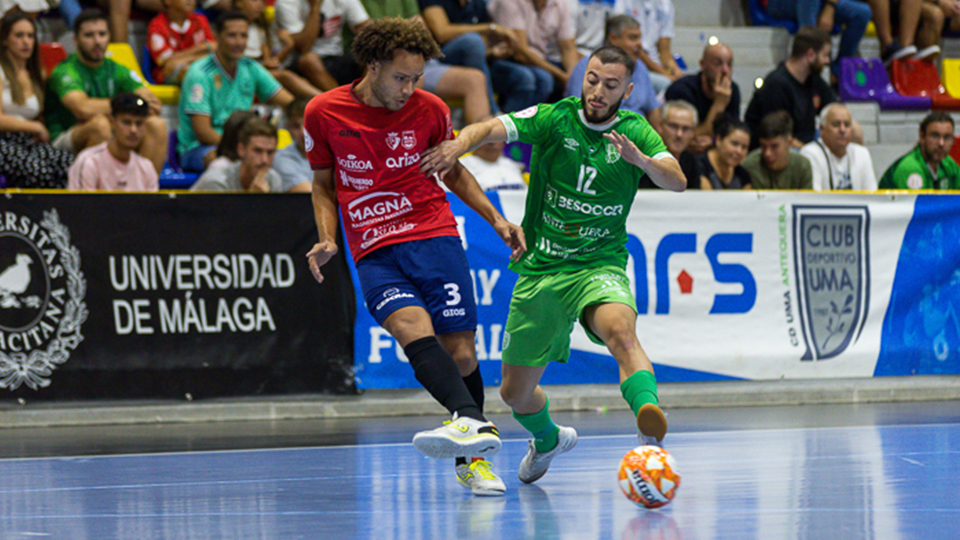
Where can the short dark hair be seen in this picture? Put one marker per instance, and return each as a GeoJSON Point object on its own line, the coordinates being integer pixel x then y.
{"type": "Point", "coordinates": [129, 103]}
{"type": "Point", "coordinates": [611, 54]}
{"type": "Point", "coordinates": [725, 124]}
{"type": "Point", "coordinates": [617, 25]}
{"type": "Point", "coordinates": [87, 15]}
{"type": "Point", "coordinates": [935, 116]}
{"type": "Point", "coordinates": [257, 127]}
{"type": "Point", "coordinates": [227, 16]}
{"type": "Point", "coordinates": [231, 133]}
{"type": "Point", "coordinates": [808, 37]}
{"type": "Point", "coordinates": [297, 107]}
{"type": "Point", "coordinates": [775, 124]}
{"type": "Point", "coordinates": [380, 38]}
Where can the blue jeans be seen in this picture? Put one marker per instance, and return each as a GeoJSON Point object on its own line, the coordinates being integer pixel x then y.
{"type": "Point", "coordinates": [192, 161]}
{"type": "Point", "coordinates": [520, 85]}
{"type": "Point", "coordinates": [850, 14]}
{"type": "Point", "coordinates": [468, 50]}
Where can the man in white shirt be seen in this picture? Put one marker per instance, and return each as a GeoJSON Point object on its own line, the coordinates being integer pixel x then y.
{"type": "Point", "coordinates": [656, 19]}
{"type": "Point", "coordinates": [493, 170]}
{"type": "Point", "coordinates": [316, 27]}
{"type": "Point", "coordinates": [838, 163]}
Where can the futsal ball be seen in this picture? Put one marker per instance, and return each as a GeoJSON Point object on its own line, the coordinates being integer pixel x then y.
{"type": "Point", "coordinates": [648, 476]}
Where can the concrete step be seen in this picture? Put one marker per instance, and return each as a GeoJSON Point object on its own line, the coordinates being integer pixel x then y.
{"type": "Point", "coordinates": [761, 46]}
{"type": "Point", "coordinates": [697, 13]}
{"type": "Point", "coordinates": [883, 155]}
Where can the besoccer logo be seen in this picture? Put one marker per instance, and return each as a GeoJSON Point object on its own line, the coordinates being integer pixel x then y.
{"type": "Point", "coordinates": [41, 299]}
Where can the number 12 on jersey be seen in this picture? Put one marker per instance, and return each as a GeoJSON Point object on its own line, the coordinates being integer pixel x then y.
{"type": "Point", "coordinates": [587, 176]}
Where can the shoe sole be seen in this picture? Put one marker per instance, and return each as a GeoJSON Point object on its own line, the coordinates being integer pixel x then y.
{"type": "Point", "coordinates": [539, 476]}
{"type": "Point", "coordinates": [440, 447]}
{"type": "Point", "coordinates": [482, 492]}
{"type": "Point", "coordinates": [652, 422]}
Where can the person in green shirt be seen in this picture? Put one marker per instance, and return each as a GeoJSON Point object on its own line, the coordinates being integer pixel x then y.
{"type": "Point", "coordinates": [928, 165]}
{"type": "Point", "coordinates": [588, 159]}
{"type": "Point", "coordinates": [773, 165]}
{"type": "Point", "coordinates": [78, 103]}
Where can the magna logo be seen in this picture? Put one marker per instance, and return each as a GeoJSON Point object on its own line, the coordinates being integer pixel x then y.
{"type": "Point", "coordinates": [405, 160]}
{"type": "Point", "coordinates": [353, 164]}
{"type": "Point", "coordinates": [382, 204]}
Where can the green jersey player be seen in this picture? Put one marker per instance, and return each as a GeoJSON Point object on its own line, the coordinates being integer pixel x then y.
{"type": "Point", "coordinates": [588, 159]}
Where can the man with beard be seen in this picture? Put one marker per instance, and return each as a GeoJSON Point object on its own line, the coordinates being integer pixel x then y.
{"type": "Point", "coordinates": [78, 103]}
{"type": "Point", "coordinates": [929, 165]}
{"type": "Point", "coordinates": [364, 142]}
{"type": "Point", "coordinates": [588, 159]}
{"type": "Point", "coordinates": [796, 86]}
{"type": "Point", "coordinates": [712, 92]}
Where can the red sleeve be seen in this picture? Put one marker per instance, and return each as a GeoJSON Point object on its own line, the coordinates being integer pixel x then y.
{"type": "Point", "coordinates": [158, 42]}
{"type": "Point", "coordinates": [318, 148]}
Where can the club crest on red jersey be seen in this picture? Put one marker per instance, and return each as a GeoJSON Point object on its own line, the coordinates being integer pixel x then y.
{"type": "Point", "coordinates": [393, 140]}
{"type": "Point", "coordinates": [409, 139]}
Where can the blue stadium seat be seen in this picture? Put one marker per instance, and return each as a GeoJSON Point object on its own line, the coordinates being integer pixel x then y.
{"type": "Point", "coordinates": [759, 17]}
{"type": "Point", "coordinates": [172, 176]}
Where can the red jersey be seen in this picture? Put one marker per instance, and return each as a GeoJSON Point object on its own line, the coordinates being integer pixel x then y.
{"type": "Point", "coordinates": [164, 38]}
{"type": "Point", "coordinates": [375, 156]}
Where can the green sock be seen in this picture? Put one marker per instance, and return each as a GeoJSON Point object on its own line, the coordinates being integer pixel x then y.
{"type": "Point", "coordinates": [541, 426]}
{"type": "Point", "coordinates": [639, 389]}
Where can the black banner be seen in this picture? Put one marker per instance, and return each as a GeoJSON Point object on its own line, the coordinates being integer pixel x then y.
{"type": "Point", "coordinates": [110, 296]}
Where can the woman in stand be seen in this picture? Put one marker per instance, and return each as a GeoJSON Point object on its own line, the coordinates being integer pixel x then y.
{"type": "Point", "coordinates": [720, 165]}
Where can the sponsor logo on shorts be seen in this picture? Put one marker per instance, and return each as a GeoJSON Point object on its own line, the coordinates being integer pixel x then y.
{"type": "Point", "coordinates": [395, 295]}
{"type": "Point", "coordinates": [454, 312]}
{"type": "Point", "coordinates": [506, 340]}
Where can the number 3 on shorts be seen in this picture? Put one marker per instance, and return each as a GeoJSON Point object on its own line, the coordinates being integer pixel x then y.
{"type": "Point", "coordinates": [453, 292]}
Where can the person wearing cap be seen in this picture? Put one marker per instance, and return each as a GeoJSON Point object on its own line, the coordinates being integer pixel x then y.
{"type": "Point", "coordinates": [115, 164]}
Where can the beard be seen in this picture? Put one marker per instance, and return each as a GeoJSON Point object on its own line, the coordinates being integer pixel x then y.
{"type": "Point", "coordinates": [599, 117]}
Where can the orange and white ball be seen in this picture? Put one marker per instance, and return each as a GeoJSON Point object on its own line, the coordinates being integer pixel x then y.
{"type": "Point", "coordinates": [648, 476]}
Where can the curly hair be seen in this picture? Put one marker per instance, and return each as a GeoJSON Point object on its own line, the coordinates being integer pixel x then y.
{"type": "Point", "coordinates": [381, 37]}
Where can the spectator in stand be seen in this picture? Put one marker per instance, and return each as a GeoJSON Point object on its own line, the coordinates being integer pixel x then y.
{"type": "Point", "coordinates": [26, 158]}
{"type": "Point", "coordinates": [852, 15]}
{"type": "Point", "coordinates": [316, 27]}
{"type": "Point", "coordinates": [176, 38]}
{"type": "Point", "coordinates": [447, 78]}
{"type": "Point", "coordinates": [217, 85]}
{"type": "Point", "coordinates": [656, 19]}
{"type": "Point", "coordinates": [590, 20]}
{"type": "Point", "coordinates": [677, 128]}
{"type": "Point", "coordinates": [796, 86]}
{"type": "Point", "coordinates": [261, 42]}
{"type": "Point", "coordinates": [773, 165]}
{"type": "Point", "coordinates": [712, 92]}
{"type": "Point", "coordinates": [493, 170]}
{"type": "Point", "coordinates": [929, 165]}
{"type": "Point", "coordinates": [720, 166]}
{"type": "Point", "coordinates": [115, 164]}
{"type": "Point", "coordinates": [836, 162]}
{"type": "Point", "coordinates": [624, 32]}
{"type": "Point", "coordinates": [227, 147]}
{"type": "Point", "coordinates": [468, 38]}
{"type": "Point", "coordinates": [545, 40]}
{"type": "Point", "coordinates": [917, 23]}
{"type": "Point", "coordinates": [78, 100]}
{"type": "Point", "coordinates": [291, 162]}
{"type": "Point", "coordinates": [253, 173]}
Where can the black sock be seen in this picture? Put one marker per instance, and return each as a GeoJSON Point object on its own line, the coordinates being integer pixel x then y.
{"type": "Point", "coordinates": [438, 374]}
{"type": "Point", "coordinates": [474, 382]}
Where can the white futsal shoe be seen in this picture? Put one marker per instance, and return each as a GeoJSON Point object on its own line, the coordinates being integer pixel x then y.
{"type": "Point", "coordinates": [479, 478]}
{"type": "Point", "coordinates": [652, 425]}
{"type": "Point", "coordinates": [534, 464]}
{"type": "Point", "coordinates": [459, 437]}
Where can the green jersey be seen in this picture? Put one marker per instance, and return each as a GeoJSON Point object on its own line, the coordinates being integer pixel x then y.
{"type": "Point", "coordinates": [581, 188]}
{"type": "Point", "coordinates": [911, 172]}
{"type": "Point", "coordinates": [105, 81]}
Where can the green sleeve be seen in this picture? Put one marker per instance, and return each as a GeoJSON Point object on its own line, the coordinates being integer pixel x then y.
{"type": "Point", "coordinates": [267, 85]}
{"type": "Point", "coordinates": [65, 79]}
{"type": "Point", "coordinates": [127, 79]}
{"type": "Point", "coordinates": [898, 173]}
{"type": "Point", "coordinates": [646, 138]}
{"type": "Point", "coordinates": [531, 125]}
{"type": "Point", "coordinates": [953, 172]}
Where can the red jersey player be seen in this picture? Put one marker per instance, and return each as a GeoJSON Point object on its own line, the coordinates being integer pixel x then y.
{"type": "Point", "coordinates": [364, 142]}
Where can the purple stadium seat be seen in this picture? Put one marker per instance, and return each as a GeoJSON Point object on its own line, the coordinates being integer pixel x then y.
{"type": "Point", "coordinates": [866, 80]}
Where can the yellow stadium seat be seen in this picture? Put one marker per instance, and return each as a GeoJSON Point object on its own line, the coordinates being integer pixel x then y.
{"type": "Point", "coordinates": [283, 139]}
{"type": "Point", "coordinates": [122, 54]}
{"type": "Point", "coordinates": [871, 30]}
{"type": "Point", "coordinates": [951, 76]}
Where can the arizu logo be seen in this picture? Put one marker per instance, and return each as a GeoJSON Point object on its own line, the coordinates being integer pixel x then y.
{"type": "Point", "coordinates": [722, 272]}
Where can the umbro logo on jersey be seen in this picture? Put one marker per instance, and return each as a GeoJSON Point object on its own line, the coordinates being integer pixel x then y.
{"type": "Point", "coordinates": [349, 133]}
{"type": "Point", "coordinates": [571, 144]}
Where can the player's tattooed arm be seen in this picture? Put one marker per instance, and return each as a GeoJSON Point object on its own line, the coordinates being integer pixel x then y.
{"type": "Point", "coordinates": [665, 172]}
{"type": "Point", "coordinates": [325, 212]}
{"type": "Point", "coordinates": [441, 158]}
{"type": "Point", "coordinates": [465, 186]}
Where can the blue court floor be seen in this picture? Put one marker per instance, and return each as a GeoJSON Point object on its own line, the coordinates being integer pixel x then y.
{"type": "Point", "coordinates": [846, 474]}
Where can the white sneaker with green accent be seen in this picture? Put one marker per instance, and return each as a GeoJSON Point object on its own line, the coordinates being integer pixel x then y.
{"type": "Point", "coordinates": [459, 437]}
{"type": "Point", "coordinates": [479, 478]}
{"type": "Point", "coordinates": [534, 464]}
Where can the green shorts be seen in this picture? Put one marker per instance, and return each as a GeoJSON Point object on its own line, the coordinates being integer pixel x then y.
{"type": "Point", "coordinates": [545, 307]}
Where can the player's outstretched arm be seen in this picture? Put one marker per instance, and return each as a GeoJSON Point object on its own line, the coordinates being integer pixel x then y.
{"type": "Point", "coordinates": [325, 212]}
{"type": "Point", "coordinates": [440, 159]}
{"type": "Point", "coordinates": [665, 172]}
{"type": "Point", "coordinates": [465, 186]}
